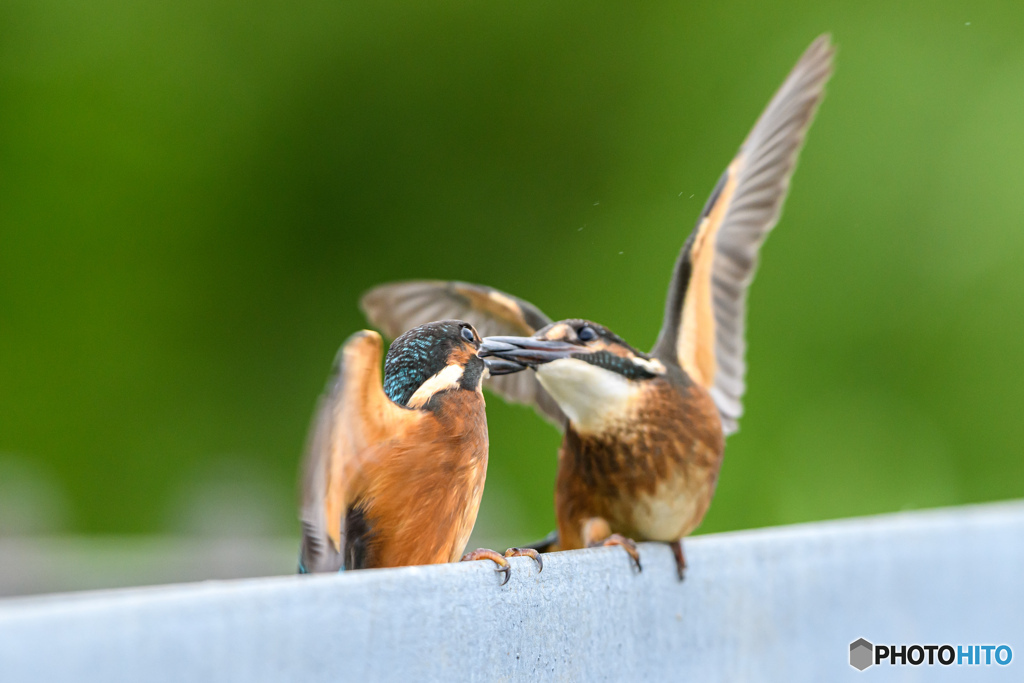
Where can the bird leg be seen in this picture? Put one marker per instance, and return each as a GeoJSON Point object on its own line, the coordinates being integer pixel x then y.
{"type": "Point", "coordinates": [548, 544]}
{"type": "Point", "coordinates": [627, 544]}
{"type": "Point", "coordinates": [597, 533]}
{"type": "Point", "coordinates": [483, 554]}
{"type": "Point", "coordinates": [677, 550]}
{"type": "Point", "coordinates": [526, 552]}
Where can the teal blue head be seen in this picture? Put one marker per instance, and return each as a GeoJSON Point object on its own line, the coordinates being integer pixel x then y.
{"type": "Point", "coordinates": [432, 358]}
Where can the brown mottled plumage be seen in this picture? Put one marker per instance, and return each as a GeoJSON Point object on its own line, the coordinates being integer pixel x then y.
{"type": "Point", "coordinates": [611, 475]}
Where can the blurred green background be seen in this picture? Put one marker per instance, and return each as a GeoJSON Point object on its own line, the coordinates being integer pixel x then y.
{"type": "Point", "coordinates": [193, 195]}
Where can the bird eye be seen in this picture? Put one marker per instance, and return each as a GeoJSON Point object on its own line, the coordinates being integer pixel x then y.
{"type": "Point", "coordinates": [586, 334]}
{"type": "Point", "coordinates": [467, 334]}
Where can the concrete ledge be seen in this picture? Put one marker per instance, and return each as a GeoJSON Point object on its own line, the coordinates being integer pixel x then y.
{"type": "Point", "coordinates": [771, 604]}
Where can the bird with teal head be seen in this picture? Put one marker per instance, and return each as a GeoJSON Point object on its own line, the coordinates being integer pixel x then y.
{"type": "Point", "coordinates": [394, 470]}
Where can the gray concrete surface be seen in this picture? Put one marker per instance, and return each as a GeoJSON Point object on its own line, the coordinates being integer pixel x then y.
{"type": "Point", "coordinates": [771, 604]}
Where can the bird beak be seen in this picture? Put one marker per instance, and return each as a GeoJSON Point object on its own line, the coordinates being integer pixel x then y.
{"type": "Point", "coordinates": [497, 366]}
{"type": "Point", "coordinates": [527, 350]}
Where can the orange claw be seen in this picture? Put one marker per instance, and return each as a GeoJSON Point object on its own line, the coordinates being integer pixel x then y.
{"type": "Point", "coordinates": [527, 552]}
{"type": "Point", "coordinates": [627, 544]}
{"type": "Point", "coordinates": [484, 554]}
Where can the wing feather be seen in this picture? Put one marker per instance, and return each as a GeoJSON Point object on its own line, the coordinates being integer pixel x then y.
{"type": "Point", "coordinates": [353, 416]}
{"type": "Point", "coordinates": [398, 306]}
{"type": "Point", "coordinates": [705, 314]}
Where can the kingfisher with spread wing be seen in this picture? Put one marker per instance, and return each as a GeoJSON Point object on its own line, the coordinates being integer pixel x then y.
{"type": "Point", "coordinates": [644, 432]}
{"type": "Point", "coordinates": [394, 472]}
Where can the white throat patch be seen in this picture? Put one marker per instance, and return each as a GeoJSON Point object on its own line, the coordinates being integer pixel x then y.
{"type": "Point", "coordinates": [591, 397]}
{"type": "Point", "coordinates": [449, 378]}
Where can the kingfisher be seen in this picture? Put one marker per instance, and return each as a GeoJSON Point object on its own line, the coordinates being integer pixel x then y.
{"type": "Point", "coordinates": [394, 472]}
{"type": "Point", "coordinates": [644, 433]}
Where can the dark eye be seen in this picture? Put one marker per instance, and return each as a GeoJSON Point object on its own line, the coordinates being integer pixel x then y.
{"type": "Point", "coordinates": [586, 334]}
{"type": "Point", "coordinates": [467, 334]}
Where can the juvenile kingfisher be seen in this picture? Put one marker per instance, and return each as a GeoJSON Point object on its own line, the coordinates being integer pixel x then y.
{"type": "Point", "coordinates": [644, 432]}
{"type": "Point", "coordinates": [394, 472]}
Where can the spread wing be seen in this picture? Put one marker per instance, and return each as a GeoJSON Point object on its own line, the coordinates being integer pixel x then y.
{"type": "Point", "coordinates": [705, 314]}
{"type": "Point", "coordinates": [398, 306]}
{"type": "Point", "coordinates": [352, 417]}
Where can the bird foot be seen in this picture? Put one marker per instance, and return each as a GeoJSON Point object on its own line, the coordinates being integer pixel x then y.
{"type": "Point", "coordinates": [677, 550]}
{"type": "Point", "coordinates": [627, 544]}
{"type": "Point", "coordinates": [527, 552]}
{"type": "Point", "coordinates": [484, 554]}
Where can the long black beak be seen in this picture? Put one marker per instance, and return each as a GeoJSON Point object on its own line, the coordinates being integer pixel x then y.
{"type": "Point", "coordinates": [527, 350]}
{"type": "Point", "coordinates": [497, 366]}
